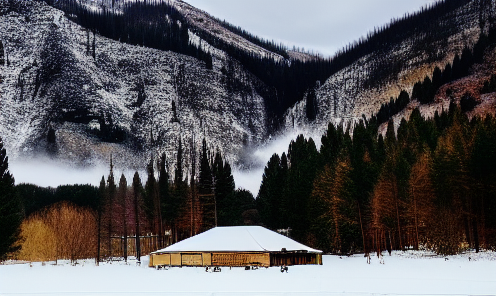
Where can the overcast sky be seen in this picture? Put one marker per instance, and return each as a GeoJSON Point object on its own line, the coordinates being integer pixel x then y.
{"type": "Point", "coordinates": [323, 26]}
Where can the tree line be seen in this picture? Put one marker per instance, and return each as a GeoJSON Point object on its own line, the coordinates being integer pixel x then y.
{"type": "Point", "coordinates": [430, 185]}
{"type": "Point", "coordinates": [119, 215]}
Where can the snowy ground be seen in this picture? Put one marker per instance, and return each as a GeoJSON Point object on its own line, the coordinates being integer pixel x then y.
{"type": "Point", "coordinates": [403, 273]}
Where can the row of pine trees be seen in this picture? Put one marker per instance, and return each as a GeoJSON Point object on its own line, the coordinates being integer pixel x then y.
{"type": "Point", "coordinates": [168, 209]}
{"type": "Point", "coordinates": [429, 185]}
{"type": "Point", "coordinates": [158, 212]}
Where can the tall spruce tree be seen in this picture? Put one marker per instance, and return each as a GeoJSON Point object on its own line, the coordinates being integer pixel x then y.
{"type": "Point", "coordinates": [100, 208]}
{"type": "Point", "coordinates": [205, 185]}
{"type": "Point", "coordinates": [137, 194]}
{"type": "Point", "coordinates": [180, 190]}
{"type": "Point", "coordinates": [166, 206]}
{"type": "Point", "coordinates": [110, 196]}
{"type": "Point", "coordinates": [303, 161]}
{"type": "Point", "coordinates": [268, 200]}
{"type": "Point", "coordinates": [151, 196]}
{"type": "Point", "coordinates": [224, 192]}
{"type": "Point", "coordinates": [122, 198]}
{"type": "Point", "coordinates": [10, 210]}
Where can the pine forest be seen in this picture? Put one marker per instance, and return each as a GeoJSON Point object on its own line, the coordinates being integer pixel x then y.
{"type": "Point", "coordinates": [399, 178]}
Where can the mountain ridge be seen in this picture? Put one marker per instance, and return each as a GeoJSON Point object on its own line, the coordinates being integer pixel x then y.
{"type": "Point", "coordinates": [118, 99]}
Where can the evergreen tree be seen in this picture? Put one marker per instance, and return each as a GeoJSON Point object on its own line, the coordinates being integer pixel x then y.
{"type": "Point", "coordinates": [452, 182]}
{"type": "Point", "coordinates": [311, 104]}
{"type": "Point", "coordinates": [10, 210]}
{"type": "Point", "coordinates": [166, 207]}
{"type": "Point", "coordinates": [151, 197]}
{"type": "Point", "coordinates": [245, 203]}
{"type": "Point", "coordinates": [137, 194]}
{"type": "Point", "coordinates": [331, 143]}
{"type": "Point", "coordinates": [100, 209]}
{"type": "Point", "coordinates": [224, 194]}
{"type": "Point", "coordinates": [110, 197]}
{"type": "Point", "coordinates": [2, 59]}
{"type": "Point", "coordinates": [303, 162]}
{"type": "Point", "coordinates": [122, 195]}
{"type": "Point", "coordinates": [284, 212]}
{"type": "Point", "coordinates": [179, 190]}
{"type": "Point", "coordinates": [269, 195]}
{"type": "Point", "coordinates": [205, 187]}
{"type": "Point", "coordinates": [211, 208]}
{"type": "Point", "coordinates": [483, 172]}
{"type": "Point", "coordinates": [364, 163]}
{"type": "Point", "coordinates": [205, 179]}
{"type": "Point", "coordinates": [333, 207]}
{"type": "Point", "coordinates": [390, 141]}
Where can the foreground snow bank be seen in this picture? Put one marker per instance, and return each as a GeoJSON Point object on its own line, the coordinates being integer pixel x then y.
{"type": "Point", "coordinates": [403, 273]}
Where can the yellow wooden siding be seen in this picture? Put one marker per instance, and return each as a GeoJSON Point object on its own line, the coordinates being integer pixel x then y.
{"type": "Point", "coordinates": [159, 259]}
{"type": "Point", "coordinates": [176, 259]}
{"type": "Point", "coordinates": [240, 259]}
{"type": "Point", "coordinates": [207, 259]}
{"type": "Point", "coordinates": [318, 259]}
{"type": "Point", "coordinates": [191, 260]}
{"type": "Point", "coordinates": [233, 259]}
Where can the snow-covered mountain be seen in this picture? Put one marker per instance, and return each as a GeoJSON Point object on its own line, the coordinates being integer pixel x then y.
{"type": "Point", "coordinates": [62, 98]}
{"type": "Point", "coordinates": [348, 94]}
{"type": "Point", "coordinates": [52, 82]}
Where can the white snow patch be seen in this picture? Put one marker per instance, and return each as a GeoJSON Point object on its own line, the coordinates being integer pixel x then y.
{"type": "Point", "coordinates": [401, 274]}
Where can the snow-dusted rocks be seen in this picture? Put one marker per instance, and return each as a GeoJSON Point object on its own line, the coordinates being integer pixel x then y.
{"type": "Point", "coordinates": [53, 81]}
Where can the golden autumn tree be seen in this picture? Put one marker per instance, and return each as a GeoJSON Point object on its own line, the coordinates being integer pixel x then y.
{"type": "Point", "coordinates": [75, 231]}
{"type": "Point", "coordinates": [420, 206]}
{"type": "Point", "coordinates": [389, 201]}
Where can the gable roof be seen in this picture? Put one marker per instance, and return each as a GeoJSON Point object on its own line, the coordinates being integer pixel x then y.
{"type": "Point", "coordinates": [237, 239]}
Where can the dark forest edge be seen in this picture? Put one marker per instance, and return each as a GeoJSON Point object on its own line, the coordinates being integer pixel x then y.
{"type": "Point", "coordinates": [168, 210]}
{"type": "Point", "coordinates": [430, 185]}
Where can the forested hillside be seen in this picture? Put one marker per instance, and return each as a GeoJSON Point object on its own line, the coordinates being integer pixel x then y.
{"type": "Point", "coordinates": [429, 185]}
{"type": "Point", "coordinates": [288, 80]}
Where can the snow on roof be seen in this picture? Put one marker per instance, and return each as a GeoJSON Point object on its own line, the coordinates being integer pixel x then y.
{"type": "Point", "coordinates": [238, 239]}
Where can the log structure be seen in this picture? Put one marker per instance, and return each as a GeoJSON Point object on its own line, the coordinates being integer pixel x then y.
{"type": "Point", "coordinates": [236, 246]}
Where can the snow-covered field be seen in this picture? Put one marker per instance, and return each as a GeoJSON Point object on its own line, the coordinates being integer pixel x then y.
{"type": "Point", "coordinates": [403, 273]}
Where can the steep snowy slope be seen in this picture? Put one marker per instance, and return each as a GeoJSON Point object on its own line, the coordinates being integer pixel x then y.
{"type": "Point", "coordinates": [347, 95]}
{"type": "Point", "coordinates": [118, 102]}
{"type": "Point", "coordinates": [79, 97]}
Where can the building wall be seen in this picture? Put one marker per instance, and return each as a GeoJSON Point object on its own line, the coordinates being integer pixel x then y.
{"type": "Point", "coordinates": [234, 259]}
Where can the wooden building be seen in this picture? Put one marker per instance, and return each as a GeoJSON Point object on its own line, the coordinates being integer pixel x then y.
{"type": "Point", "coordinates": [236, 246]}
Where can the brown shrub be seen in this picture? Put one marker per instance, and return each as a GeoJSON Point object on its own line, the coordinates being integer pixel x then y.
{"type": "Point", "coordinates": [63, 231]}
